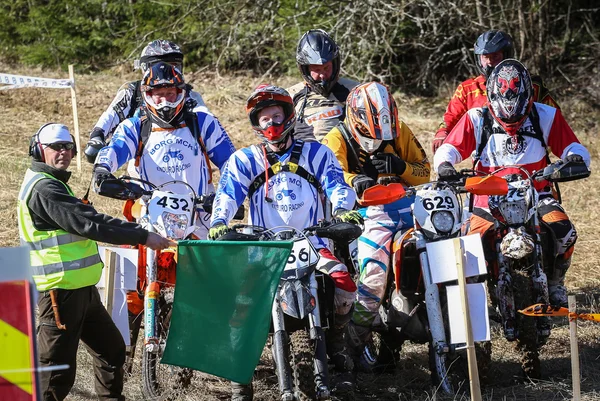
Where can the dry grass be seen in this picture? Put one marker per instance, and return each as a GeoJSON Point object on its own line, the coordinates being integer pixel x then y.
{"type": "Point", "coordinates": [23, 111]}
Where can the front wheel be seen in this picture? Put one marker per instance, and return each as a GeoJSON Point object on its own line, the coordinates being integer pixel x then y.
{"type": "Point", "coordinates": [163, 382]}
{"type": "Point", "coordinates": [302, 359]}
{"type": "Point", "coordinates": [527, 341]}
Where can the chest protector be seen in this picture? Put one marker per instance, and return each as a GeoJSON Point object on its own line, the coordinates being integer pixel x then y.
{"type": "Point", "coordinates": [275, 167]}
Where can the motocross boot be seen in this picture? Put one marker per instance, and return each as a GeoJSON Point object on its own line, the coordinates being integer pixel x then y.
{"type": "Point", "coordinates": [241, 392]}
{"type": "Point", "coordinates": [336, 344]}
{"type": "Point", "coordinates": [359, 339]}
{"type": "Point", "coordinates": [344, 380]}
{"type": "Point", "coordinates": [556, 282]}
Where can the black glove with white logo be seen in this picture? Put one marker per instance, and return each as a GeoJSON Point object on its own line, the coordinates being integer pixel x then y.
{"type": "Point", "coordinates": [388, 163]}
{"type": "Point", "coordinates": [574, 159]}
{"type": "Point", "coordinates": [362, 182]}
{"type": "Point", "coordinates": [102, 173]}
{"type": "Point", "coordinates": [447, 172]}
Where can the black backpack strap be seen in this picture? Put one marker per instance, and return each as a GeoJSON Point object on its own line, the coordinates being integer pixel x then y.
{"type": "Point", "coordinates": [350, 145]}
{"type": "Point", "coordinates": [341, 93]}
{"type": "Point", "coordinates": [484, 134]}
{"type": "Point", "coordinates": [534, 117]}
{"type": "Point", "coordinates": [145, 128]}
{"type": "Point", "coordinates": [296, 151]}
{"type": "Point", "coordinates": [136, 99]}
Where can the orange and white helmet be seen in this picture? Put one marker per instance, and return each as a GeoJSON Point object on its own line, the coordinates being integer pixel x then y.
{"type": "Point", "coordinates": [371, 115]}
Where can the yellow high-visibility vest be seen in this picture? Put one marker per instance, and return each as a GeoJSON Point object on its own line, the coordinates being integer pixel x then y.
{"type": "Point", "coordinates": [58, 259]}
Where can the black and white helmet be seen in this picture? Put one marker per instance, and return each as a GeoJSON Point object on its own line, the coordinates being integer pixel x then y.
{"type": "Point", "coordinates": [317, 47]}
{"type": "Point", "coordinates": [491, 42]}
{"type": "Point", "coordinates": [161, 50]}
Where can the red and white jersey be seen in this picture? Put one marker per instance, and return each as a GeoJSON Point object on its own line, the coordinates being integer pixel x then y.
{"type": "Point", "coordinates": [503, 149]}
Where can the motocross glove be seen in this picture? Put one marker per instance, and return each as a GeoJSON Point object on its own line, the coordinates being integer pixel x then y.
{"type": "Point", "coordinates": [94, 145]}
{"type": "Point", "coordinates": [348, 216]}
{"type": "Point", "coordinates": [218, 230]}
{"type": "Point", "coordinates": [447, 172]}
{"type": "Point", "coordinates": [574, 159]}
{"type": "Point", "coordinates": [362, 182]}
{"type": "Point", "coordinates": [388, 163]}
{"type": "Point", "coordinates": [438, 140]}
{"type": "Point", "coordinates": [101, 173]}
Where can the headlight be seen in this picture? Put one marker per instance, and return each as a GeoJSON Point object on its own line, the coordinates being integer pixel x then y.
{"type": "Point", "coordinates": [443, 221]}
{"type": "Point", "coordinates": [175, 224]}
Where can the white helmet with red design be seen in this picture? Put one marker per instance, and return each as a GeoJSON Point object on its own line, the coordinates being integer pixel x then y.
{"type": "Point", "coordinates": [510, 94]}
{"type": "Point", "coordinates": [371, 115]}
{"type": "Point", "coordinates": [269, 95]}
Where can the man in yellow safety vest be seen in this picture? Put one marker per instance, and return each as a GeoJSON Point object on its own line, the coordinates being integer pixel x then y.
{"type": "Point", "coordinates": [61, 233]}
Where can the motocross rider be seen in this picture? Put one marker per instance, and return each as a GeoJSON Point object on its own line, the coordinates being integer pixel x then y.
{"type": "Point", "coordinates": [370, 144]}
{"type": "Point", "coordinates": [491, 48]}
{"type": "Point", "coordinates": [129, 97]}
{"type": "Point", "coordinates": [320, 100]}
{"type": "Point", "coordinates": [169, 141]}
{"type": "Point", "coordinates": [290, 197]}
{"type": "Point", "coordinates": [512, 129]}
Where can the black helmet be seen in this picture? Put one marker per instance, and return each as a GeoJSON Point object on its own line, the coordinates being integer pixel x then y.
{"type": "Point", "coordinates": [317, 47]}
{"type": "Point", "coordinates": [161, 50]}
{"type": "Point", "coordinates": [491, 42]}
{"type": "Point", "coordinates": [163, 75]}
{"type": "Point", "coordinates": [510, 94]}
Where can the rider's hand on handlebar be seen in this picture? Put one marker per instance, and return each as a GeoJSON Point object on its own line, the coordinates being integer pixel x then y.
{"type": "Point", "coordinates": [157, 242]}
{"type": "Point", "coordinates": [388, 163]}
{"type": "Point", "coordinates": [348, 216]}
{"type": "Point", "coordinates": [574, 158]}
{"type": "Point", "coordinates": [217, 231]}
{"type": "Point", "coordinates": [362, 182]}
{"type": "Point", "coordinates": [102, 173]}
{"type": "Point", "coordinates": [447, 172]}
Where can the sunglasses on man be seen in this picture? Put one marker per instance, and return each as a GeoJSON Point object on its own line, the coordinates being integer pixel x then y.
{"type": "Point", "coordinates": [60, 146]}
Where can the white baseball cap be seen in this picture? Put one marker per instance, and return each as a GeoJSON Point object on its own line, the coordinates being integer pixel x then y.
{"type": "Point", "coordinates": [53, 133]}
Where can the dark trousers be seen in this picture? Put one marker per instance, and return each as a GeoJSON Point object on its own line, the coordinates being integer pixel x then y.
{"type": "Point", "coordinates": [87, 320]}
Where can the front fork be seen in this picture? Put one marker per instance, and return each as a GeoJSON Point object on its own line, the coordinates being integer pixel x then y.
{"type": "Point", "coordinates": [151, 303]}
{"type": "Point", "coordinates": [504, 289]}
{"type": "Point", "coordinates": [281, 347]}
{"type": "Point", "coordinates": [434, 311]}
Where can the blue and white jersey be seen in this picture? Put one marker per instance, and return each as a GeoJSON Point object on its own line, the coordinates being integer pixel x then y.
{"type": "Point", "coordinates": [170, 154]}
{"type": "Point", "coordinates": [295, 202]}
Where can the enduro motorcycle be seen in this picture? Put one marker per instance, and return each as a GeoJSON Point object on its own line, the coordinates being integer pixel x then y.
{"type": "Point", "coordinates": [303, 308]}
{"type": "Point", "coordinates": [414, 308]}
{"type": "Point", "coordinates": [517, 273]}
{"type": "Point", "coordinates": [171, 215]}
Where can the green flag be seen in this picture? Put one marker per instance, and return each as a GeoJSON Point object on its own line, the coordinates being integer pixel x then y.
{"type": "Point", "coordinates": [222, 307]}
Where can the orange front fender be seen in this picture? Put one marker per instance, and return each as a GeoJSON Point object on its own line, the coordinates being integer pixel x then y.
{"type": "Point", "coordinates": [398, 254]}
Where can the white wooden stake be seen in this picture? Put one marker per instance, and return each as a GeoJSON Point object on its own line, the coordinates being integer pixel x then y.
{"type": "Point", "coordinates": [75, 118]}
{"type": "Point", "coordinates": [574, 350]}
{"type": "Point", "coordinates": [471, 355]}
{"type": "Point", "coordinates": [110, 259]}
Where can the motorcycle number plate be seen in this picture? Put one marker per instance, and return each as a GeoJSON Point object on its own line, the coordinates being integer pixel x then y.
{"type": "Point", "coordinates": [517, 190]}
{"type": "Point", "coordinates": [303, 255]}
{"type": "Point", "coordinates": [436, 200]}
{"type": "Point", "coordinates": [170, 213]}
{"type": "Point", "coordinates": [162, 201]}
